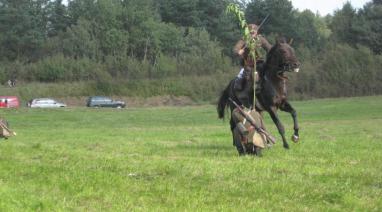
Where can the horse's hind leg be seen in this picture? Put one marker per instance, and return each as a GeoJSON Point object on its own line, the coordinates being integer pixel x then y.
{"type": "Point", "coordinates": [279, 126]}
{"type": "Point", "coordinates": [287, 107]}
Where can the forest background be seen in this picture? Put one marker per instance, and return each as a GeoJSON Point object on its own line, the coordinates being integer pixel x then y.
{"type": "Point", "coordinates": [144, 48]}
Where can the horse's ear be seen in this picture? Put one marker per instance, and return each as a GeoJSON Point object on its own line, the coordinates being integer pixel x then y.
{"type": "Point", "coordinates": [290, 41]}
{"type": "Point", "coordinates": [280, 40]}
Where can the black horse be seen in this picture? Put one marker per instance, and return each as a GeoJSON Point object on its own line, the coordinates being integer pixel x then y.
{"type": "Point", "coordinates": [272, 94]}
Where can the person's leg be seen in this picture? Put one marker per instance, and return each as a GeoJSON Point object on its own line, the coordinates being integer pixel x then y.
{"type": "Point", "coordinates": [239, 81]}
{"type": "Point", "coordinates": [260, 75]}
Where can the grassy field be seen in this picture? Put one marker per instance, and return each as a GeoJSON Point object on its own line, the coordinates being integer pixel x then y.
{"type": "Point", "coordinates": [182, 159]}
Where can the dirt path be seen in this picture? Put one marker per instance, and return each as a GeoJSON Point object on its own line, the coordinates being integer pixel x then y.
{"type": "Point", "coordinates": [136, 101]}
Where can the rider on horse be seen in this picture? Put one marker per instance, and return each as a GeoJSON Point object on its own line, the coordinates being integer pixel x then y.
{"type": "Point", "coordinates": [246, 61]}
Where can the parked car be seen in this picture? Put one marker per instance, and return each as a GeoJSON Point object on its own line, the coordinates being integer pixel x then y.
{"type": "Point", "coordinates": [45, 103]}
{"type": "Point", "coordinates": [102, 101]}
{"type": "Point", "coordinates": [9, 101]}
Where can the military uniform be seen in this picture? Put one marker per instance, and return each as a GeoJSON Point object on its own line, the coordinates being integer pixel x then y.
{"type": "Point", "coordinates": [246, 61]}
{"type": "Point", "coordinates": [5, 132]}
{"type": "Point", "coordinates": [246, 138]}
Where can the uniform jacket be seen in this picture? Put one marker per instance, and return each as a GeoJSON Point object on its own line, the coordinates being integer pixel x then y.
{"type": "Point", "coordinates": [245, 59]}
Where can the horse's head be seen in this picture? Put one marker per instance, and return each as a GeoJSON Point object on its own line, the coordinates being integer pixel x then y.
{"type": "Point", "coordinates": [282, 58]}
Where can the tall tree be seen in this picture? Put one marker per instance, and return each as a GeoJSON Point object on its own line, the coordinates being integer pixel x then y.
{"type": "Point", "coordinates": [79, 41]}
{"type": "Point", "coordinates": [23, 26]}
{"type": "Point", "coordinates": [181, 12]}
{"type": "Point", "coordinates": [370, 26]}
{"type": "Point", "coordinates": [310, 30]}
{"type": "Point", "coordinates": [342, 24]}
{"type": "Point", "coordinates": [281, 12]}
{"type": "Point", "coordinates": [58, 18]}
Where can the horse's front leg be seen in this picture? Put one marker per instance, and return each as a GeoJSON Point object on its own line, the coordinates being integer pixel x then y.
{"type": "Point", "coordinates": [232, 125]}
{"type": "Point", "coordinates": [287, 107]}
{"type": "Point", "coordinates": [279, 126]}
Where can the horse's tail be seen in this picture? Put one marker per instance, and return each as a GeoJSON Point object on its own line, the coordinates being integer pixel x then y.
{"type": "Point", "coordinates": [223, 101]}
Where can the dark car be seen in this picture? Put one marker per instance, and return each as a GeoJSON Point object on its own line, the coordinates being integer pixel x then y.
{"type": "Point", "coordinates": [102, 101]}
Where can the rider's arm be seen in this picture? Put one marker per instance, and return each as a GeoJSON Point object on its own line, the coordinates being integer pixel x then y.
{"type": "Point", "coordinates": [264, 43]}
{"type": "Point", "coordinates": [239, 48]}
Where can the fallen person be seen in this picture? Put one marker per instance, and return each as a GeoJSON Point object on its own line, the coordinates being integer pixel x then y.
{"type": "Point", "coordinates": [5, 132]}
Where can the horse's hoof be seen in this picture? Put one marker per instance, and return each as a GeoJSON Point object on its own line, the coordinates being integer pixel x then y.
{"type": "Point", "coordinates": [295, 138]}
{"type": "Point", "coordinates": [286, 146]}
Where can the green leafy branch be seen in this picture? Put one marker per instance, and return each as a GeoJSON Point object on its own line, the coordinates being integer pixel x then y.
{"type": "Point", "coordinates": [239, 15]}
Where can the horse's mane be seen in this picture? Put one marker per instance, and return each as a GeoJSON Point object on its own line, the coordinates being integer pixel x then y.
{"type": "Point", "coordinates": [279, 40]}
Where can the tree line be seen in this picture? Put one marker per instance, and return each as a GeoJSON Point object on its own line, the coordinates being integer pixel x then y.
{"type": "Point", "coordinates": [129, 40]}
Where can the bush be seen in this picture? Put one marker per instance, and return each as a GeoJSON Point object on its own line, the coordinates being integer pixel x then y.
{"type": "Point", "coordinates": [166, 66]}
{"type": "Point", "coordinates": [344, 68]}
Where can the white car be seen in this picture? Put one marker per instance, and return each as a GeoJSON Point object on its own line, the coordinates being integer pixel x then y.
{"type": "Point", "coordinates": [45, 103]}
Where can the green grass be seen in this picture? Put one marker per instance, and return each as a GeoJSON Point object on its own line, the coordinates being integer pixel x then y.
{"type": "Point", "coordinates": [166, 159]}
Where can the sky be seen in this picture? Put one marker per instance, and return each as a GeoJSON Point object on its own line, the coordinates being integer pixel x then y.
{"type": "Point", "coordinates": [324, 7]}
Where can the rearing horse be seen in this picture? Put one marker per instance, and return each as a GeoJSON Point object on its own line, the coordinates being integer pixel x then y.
{"type": "Point", "coordinates": [273, 92]}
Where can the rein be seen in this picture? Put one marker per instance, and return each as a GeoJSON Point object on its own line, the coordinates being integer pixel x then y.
{"type": "Point", "coordinates": [276, 69]}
